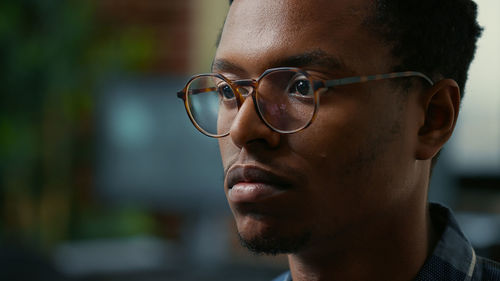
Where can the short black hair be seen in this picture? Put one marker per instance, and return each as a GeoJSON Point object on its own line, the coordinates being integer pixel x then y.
{"type": "Point", "coordinates": [437, 38]}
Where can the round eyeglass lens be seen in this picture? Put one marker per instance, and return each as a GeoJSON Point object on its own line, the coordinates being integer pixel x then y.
{"type": "Point", "coordinates": [212, 104]}
{"type": "Point", "coordinates": [286, 101]}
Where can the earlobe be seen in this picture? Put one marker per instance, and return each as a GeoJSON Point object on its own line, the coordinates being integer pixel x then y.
{"type": "Point", "coordinates": [441, 106]}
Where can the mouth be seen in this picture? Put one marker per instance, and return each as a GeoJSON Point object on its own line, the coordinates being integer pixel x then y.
{"type": "Point", "coordinates": [251, 184]}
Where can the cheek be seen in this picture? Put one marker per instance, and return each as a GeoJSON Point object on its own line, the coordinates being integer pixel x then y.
{"type": "Point", "coordinates": [228, 152]}
{"type": "Point", "coordinates": [332, 137]}
{"type": "Point", "coordinates": [346, 145]}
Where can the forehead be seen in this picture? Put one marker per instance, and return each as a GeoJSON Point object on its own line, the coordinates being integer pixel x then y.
{"type": "Point", "coordinates": [293, 15]}
{"type": "Point", "coordinates": [258, 32]}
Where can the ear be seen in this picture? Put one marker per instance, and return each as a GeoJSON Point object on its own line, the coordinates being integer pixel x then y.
{"type": "Point", "coordinates": [441, 106]}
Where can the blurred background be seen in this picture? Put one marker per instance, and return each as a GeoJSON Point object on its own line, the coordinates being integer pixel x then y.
{"type": "Point", "coordinates": [102, 175]}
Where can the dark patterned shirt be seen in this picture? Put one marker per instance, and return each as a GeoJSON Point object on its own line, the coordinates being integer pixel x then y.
{"type": "Point", "coordinates": [453, 258]}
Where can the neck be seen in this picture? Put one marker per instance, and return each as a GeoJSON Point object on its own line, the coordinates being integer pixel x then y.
{"type": "Point", "coordinates": [393, 246]}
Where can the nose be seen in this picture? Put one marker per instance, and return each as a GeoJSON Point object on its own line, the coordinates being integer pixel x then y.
{"type": "Point", "coordinates": [248, 127]}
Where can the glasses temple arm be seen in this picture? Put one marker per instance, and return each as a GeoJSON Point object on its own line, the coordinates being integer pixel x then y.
{"type": "Point", "coordinates": [362, 79]}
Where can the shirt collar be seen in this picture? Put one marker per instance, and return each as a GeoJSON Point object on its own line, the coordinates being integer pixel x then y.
{"type": "Point", "coordinates": [453, 249]}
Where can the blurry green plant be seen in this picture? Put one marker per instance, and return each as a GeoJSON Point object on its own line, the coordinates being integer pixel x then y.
{"type": "Point", "coordinates": [53, 53]}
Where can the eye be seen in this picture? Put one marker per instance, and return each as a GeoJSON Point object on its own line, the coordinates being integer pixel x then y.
{"type": "Point", "coordinates": [226, 91]}
{"type": "Point", "coordinates": [301, 87]}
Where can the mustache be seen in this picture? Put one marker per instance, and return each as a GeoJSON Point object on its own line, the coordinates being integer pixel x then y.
{"type": "Point", "coordinates": [257, 160]}
{"type": "Point", "coordinates": [251, 173]}
{"type": "Point", "coordinates": [273, 171]}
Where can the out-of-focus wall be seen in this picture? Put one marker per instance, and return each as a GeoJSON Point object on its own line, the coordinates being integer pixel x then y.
{"type": "Point", "coordinates": [208, 18]}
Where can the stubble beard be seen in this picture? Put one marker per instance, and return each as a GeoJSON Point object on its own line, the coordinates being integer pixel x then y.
{"type": "Point", "coordinates": [275, 245]}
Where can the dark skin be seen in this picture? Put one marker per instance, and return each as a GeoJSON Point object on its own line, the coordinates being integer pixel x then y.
{"type": "Point", "coordinates": [356, 179]}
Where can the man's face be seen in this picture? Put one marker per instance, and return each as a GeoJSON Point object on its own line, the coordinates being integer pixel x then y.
{"type": "Point", "coordinates": [352, 166]}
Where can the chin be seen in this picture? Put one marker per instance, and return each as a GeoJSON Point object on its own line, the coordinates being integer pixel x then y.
{"type": "Point", "coordinates": [262, 238]}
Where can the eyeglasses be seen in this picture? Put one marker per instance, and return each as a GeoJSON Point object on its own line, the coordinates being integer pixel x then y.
{"type": "Point", "coordinates": [286, 99]}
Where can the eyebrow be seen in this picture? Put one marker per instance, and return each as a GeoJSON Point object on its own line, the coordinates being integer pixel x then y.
{"type": "Point", "coordinates": [226, 66]}
{"type": "Point", "coordinates": [314, 58]}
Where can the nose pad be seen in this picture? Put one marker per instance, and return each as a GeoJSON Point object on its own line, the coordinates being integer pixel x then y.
{"type": "Point", "coordinates": [244, 90]}
{"type": "Point", "coordinates": [245, 108]}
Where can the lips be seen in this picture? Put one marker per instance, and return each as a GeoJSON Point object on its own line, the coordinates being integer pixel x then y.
{"type": "Point", "coordinates": [251, 184]}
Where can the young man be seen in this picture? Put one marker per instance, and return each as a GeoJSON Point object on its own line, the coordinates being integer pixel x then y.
{"type": "Point", "coordinates": [329, 114]}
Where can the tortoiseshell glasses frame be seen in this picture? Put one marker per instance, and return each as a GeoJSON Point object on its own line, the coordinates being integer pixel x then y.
{"type": "Point", "coordinates": [301, 112]}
